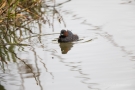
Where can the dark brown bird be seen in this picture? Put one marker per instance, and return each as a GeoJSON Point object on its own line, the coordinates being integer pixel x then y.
{"type": "Point", "coordinates": [67, 36]}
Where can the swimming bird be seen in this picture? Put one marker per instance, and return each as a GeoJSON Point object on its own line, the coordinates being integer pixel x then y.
{"type": "Point", "coordinates": [67, 36]}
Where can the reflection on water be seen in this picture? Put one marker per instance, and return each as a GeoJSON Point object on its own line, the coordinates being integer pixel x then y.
{"type": "Point", "coordinates": [23, 66]}
{"type": "Point", "coordinates": [76, 66]}
{"type": "Point", "coordinates": [85, 78]}
{"type": "Point", "coordinates": [127, 1]}
{"type": "Point", "coordinates": [65, 47]}
{"type": "Point", "coordinates": [16, 33]}
{"type": "Point", "coordinates": [32, 68]}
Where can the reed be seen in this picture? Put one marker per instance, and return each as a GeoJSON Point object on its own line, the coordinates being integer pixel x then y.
{"type": "Point", "coordinates": [16, 18]}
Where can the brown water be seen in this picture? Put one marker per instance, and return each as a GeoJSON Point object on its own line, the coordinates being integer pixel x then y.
{"type": "Point", "coordinates": [103, 58]}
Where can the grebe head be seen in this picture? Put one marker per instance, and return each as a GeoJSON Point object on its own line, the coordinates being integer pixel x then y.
{"type": "Point", "coordinates": [64, 33]}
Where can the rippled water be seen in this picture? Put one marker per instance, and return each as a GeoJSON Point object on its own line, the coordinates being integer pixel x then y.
{"type": "Point", "coordinates": [103, 58]}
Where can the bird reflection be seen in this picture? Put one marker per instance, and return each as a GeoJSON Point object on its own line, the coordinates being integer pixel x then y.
{"type": "Point", "coordinates": [1, 87]}
{"type": "Point", "coordinates": [65, 47]}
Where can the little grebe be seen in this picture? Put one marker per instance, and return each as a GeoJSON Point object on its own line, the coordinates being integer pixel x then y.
{"type": "Point", "coordinates": [67, 36]}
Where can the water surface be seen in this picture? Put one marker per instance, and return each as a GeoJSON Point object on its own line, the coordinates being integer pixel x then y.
{"type": "Point", "coordinates": [103, 59]}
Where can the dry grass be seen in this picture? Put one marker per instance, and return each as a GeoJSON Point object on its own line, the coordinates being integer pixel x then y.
{"type": "Point", "coordinates": [16, 17]}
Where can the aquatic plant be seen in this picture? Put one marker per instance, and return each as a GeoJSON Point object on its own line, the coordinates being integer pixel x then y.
{"type": "Point", "coordinates": [17, 17]}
